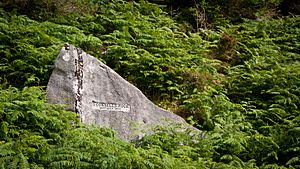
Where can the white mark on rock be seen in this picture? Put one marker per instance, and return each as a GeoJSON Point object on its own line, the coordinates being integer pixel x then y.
{"type": "Point", "coordinates": [66, 57]}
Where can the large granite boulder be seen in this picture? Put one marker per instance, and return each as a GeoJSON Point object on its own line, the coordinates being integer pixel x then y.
{"type": "Point", "coordinates": [100, 96]}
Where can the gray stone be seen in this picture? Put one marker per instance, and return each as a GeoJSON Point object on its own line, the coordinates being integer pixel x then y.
{"type": "Point", "coordinates": [100, 96]}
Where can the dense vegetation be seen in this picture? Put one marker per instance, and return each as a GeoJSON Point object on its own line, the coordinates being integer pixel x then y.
{"type": "Point", "coordinates": [231, 68]}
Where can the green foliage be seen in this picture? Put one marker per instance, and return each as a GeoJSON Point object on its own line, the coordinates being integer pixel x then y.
{"type": "Point", "coordinates": [29, 126]}
{"type": "Point", "coordinates": [266, 84]}
{"type": "Point", "coordinates": [239, 84]}
{"type": "Point", "coordinates": [159, 60]}
{"type": "Point", "coordinates": [28, 48]}
{"type": "Point", "coordinates": [35, 134]}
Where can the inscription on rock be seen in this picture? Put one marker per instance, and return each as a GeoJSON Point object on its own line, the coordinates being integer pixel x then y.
{"type": "Point", "coordinates": [111, 106]}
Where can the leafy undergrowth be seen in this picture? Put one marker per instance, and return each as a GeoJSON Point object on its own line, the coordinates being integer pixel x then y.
{"type": "Point", "coordinates": [35, 134]}
{"type": "Point", "coordinates": [239, 84]}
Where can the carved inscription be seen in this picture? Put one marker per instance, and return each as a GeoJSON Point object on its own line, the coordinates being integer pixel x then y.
{"type": "Point", "coordinates": [111, 106]}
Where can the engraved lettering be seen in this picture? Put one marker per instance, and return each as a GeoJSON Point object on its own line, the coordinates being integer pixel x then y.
{"type": "Point", "coordinates": [111, 106]}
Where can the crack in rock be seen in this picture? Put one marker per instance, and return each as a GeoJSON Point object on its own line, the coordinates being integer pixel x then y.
{"type": "Point", "coordinates": [78, 83]}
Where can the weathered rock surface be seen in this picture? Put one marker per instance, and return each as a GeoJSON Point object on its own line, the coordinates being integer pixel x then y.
{"type": "Point", "coordinates": [100, 96]}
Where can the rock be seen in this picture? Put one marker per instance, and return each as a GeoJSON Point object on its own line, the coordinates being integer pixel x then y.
{"type": "Point", "coordinates": [100, 96]}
